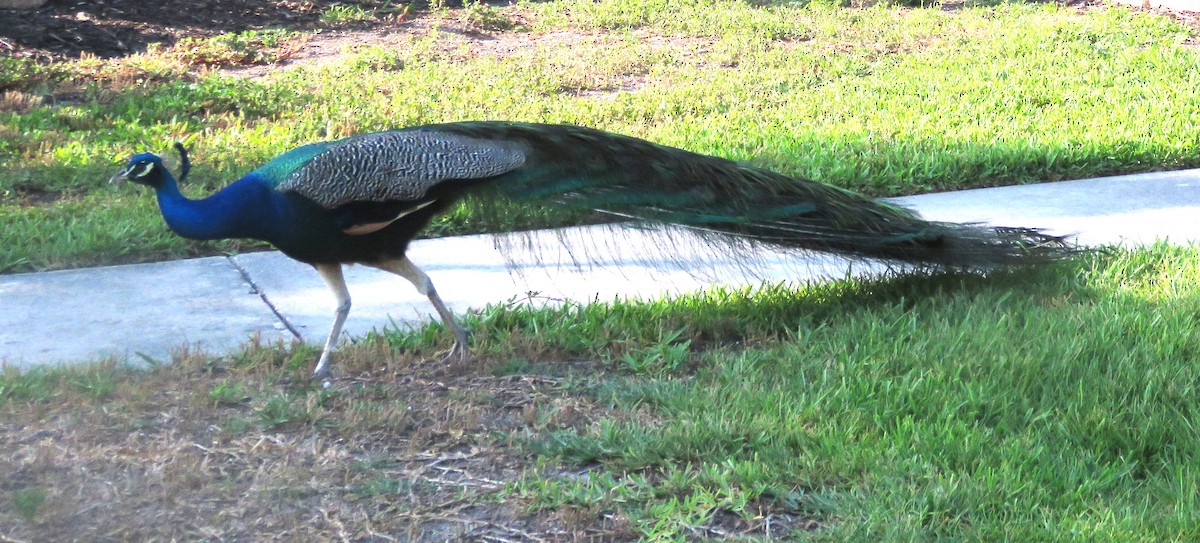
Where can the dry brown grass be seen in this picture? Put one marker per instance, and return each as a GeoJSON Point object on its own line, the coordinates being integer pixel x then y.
{"type": "Point", "coordinates": [14, 101]}
{"type": "Point", "coordinates": [236, 450]}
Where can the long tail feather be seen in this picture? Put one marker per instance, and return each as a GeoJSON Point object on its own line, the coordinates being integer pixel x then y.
{"type": "Point", "coordinates": [582, 168]}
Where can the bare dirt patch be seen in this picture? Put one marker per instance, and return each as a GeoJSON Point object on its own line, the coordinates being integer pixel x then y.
{"type": "Point", "coordinates": [406, 452]}
{"type": "Point", "coordinates": [327, 48]}
{"type": "Point", "coordinates": [236, 449]}
{"type": "Point", "coordinates": [65, 29]}
{"type": "Point", "coordinates": [112, 28]}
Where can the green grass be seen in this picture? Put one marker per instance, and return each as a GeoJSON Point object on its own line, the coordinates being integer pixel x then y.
{"type": "Point", "coordinates": [27, 501]}
{"type": "Point", "coordinates": [237, 49]}
{"type": "Point", "coordinates": [345, 14]}
{"type": "Point", "coordinates": [884, 100]}
{"type": "Point", "coordinates": [1045, 405]}
{"type": "Point", "coordinates": [990, 409]}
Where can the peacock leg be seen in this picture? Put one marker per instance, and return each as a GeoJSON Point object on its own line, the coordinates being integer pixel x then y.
{"type": "Point", "coordinates": [332, 274]}
{"type": "Point", "coordinates": [406, 269]}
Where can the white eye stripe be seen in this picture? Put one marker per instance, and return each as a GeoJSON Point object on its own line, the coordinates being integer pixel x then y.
{"type": "Point", "coordinates": [148, 167]}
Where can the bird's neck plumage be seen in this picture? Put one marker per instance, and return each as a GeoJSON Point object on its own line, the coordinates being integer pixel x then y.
{"type": "Point", "coordinates": [243, 209]}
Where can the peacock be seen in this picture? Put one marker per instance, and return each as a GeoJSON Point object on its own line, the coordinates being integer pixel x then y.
{"type": "Point", "coordinates": [363, 198]}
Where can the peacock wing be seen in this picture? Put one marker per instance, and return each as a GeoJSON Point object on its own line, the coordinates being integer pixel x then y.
{"type": "Point", "coordinates": [392, 166]}
{"type": "Point", "coordinates": [280, 168]}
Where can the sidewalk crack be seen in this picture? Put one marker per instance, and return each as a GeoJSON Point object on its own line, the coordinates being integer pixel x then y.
{"type": "Point", "coordinates": [263, 295]}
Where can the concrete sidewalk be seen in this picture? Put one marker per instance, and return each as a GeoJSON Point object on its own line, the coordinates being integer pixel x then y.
{"type": "Point", "coordinates": [214, 304]}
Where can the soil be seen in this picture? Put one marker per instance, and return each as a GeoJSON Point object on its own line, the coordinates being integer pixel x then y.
{"type": "Point", "coordinates": [398, 448]}
{"type": "Point", "coordinates": [65, 29]}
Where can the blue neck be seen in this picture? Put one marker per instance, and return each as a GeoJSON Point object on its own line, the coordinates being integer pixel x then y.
{"type": "Point", "coordinates": [244, 209]}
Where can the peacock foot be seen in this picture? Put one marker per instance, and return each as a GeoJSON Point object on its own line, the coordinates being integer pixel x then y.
{"type": "Point", "coordinates": [322, 373]}
{"type": "Point", "coordinates": [458, 353]}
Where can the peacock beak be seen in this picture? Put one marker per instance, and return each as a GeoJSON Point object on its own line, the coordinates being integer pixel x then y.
{"type": "Point", "coordinates": [121, 176]}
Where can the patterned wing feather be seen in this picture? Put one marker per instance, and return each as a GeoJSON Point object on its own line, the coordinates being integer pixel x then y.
{"type": "Point", "coordinates": [398, 165]}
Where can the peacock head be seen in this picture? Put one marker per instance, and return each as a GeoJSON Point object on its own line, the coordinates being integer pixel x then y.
{"type": "Point", "coordinates": [148, 169]}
